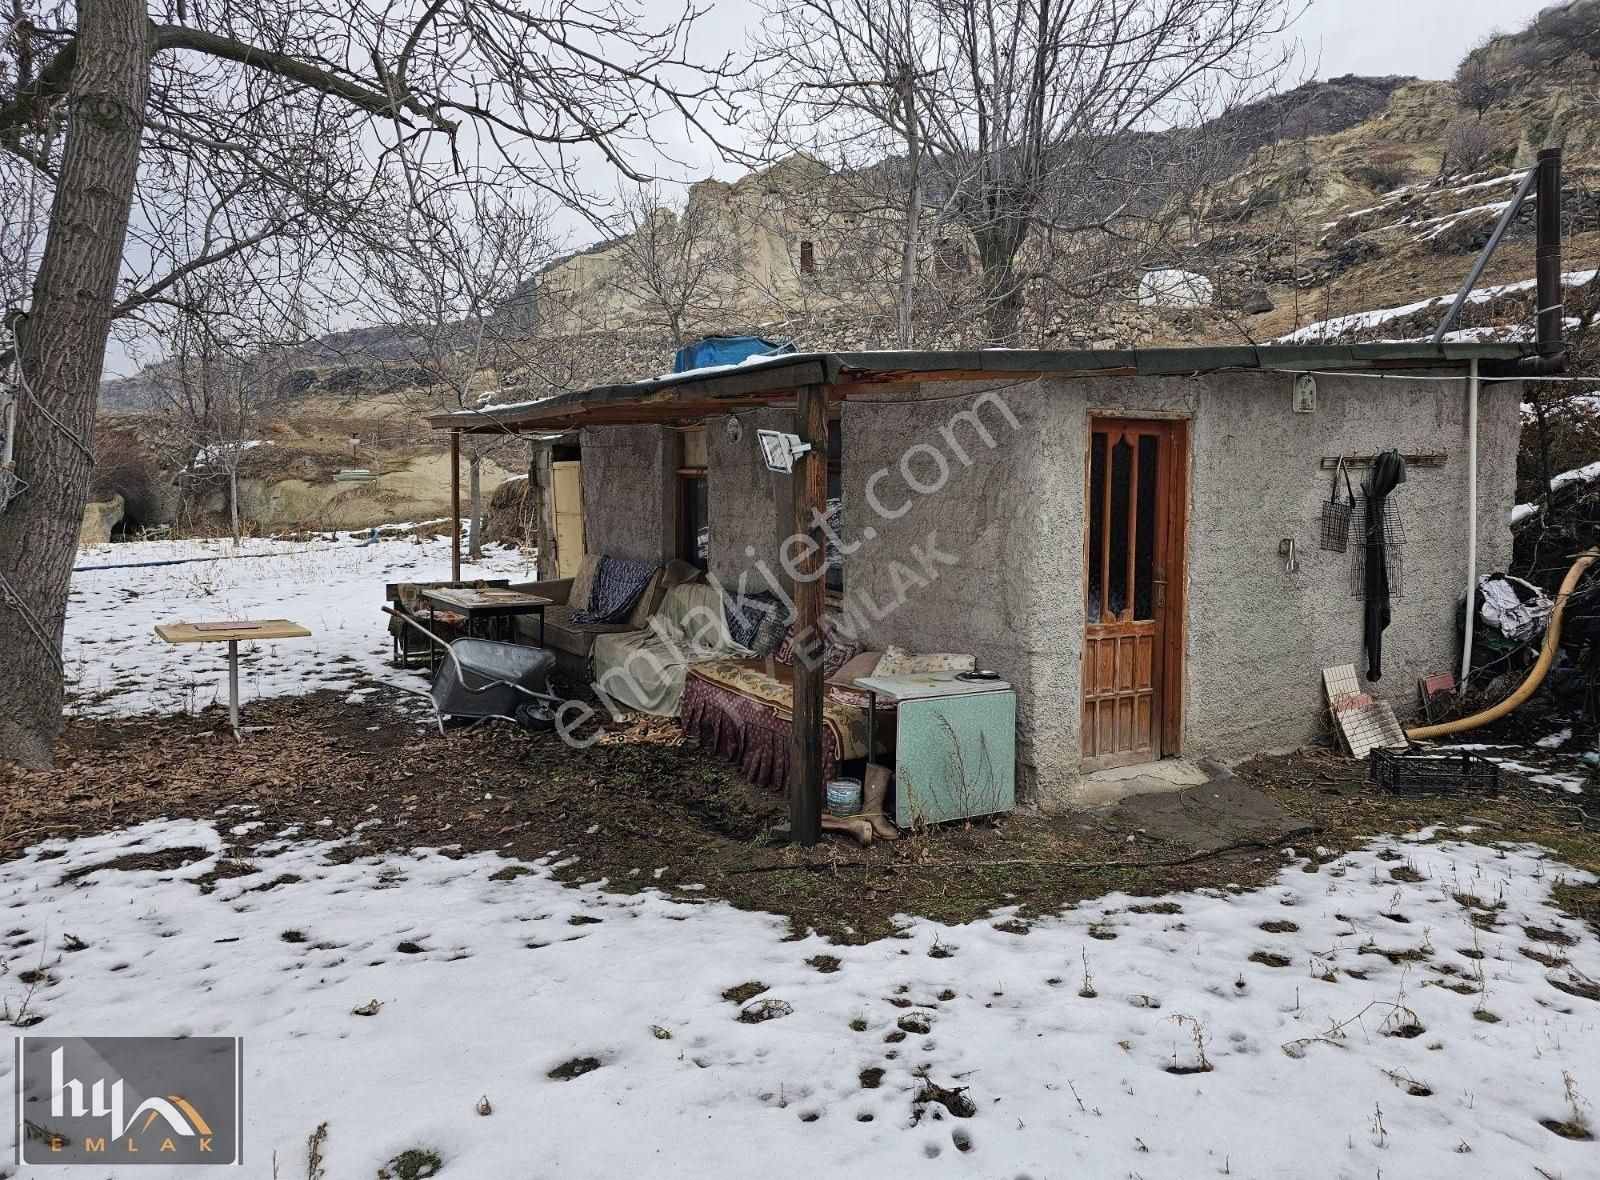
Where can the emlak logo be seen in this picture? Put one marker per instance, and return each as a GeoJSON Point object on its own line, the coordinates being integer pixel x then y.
{"type": "Point", "coordinates": [128, 1100]}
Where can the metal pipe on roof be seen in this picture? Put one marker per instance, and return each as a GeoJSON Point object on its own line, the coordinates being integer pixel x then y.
{"type": "Point", "coordinates": [1547, 259]}
{"type": "Point", "coordinates": [1488, 252]}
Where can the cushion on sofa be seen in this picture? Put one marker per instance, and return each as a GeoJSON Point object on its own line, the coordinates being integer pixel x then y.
{"type": "Point", "coordinates": [897, 661]}
{"type": "Point", "coordinates": [834, 649]}
{"type": "Point", "coordinates": [863, 663]}
{"type": "Point", "coordinates": [562, 634]}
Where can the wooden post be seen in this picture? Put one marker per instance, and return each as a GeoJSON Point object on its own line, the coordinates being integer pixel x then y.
{"type": "Point", "coordinates": [455, 505]}
{"type": "Point", "coordinates": [810, 494]}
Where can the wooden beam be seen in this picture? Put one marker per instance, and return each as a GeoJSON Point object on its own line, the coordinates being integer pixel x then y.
{"type": "Point", "coordinates": [810, 493]}
{"type": "Point", "coordinates": [455, 505]}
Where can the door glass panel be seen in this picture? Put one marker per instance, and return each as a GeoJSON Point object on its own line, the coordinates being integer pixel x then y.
{"type": "Point", "coordinates": [1096, 510]}
{"type": "Point", "coordinates": [1144, 547]}
{"type": "Point", "coordinates": [1117, 575]}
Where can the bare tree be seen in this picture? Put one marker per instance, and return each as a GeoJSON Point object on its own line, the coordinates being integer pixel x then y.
{"type": "Point", "coordinates": [1022, 110]}
{"type": "Point", "coordinates": [449, 279]}
{"type": "Point", "coordinates": [847, 84]}
{"type": "Point", "coordinates": [118, 105]}
{"type": "Point", "coordinates": [220, 382]}
{"type": "Point", "coordinates": [1469, 144]}
{"type": "Point", "coordinates": [678, 262]}
{"type": "Point", "coordinates": [1487, 76]}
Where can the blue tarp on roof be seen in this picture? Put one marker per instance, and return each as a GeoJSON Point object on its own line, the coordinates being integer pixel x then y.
{"type": "Point", "coordinates": [725, 350]}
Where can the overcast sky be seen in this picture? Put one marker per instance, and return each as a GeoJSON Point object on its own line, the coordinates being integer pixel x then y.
{"type": "Point", "coordinates": [1421, 37]}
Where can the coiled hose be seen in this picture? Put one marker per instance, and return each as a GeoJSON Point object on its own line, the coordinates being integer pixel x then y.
{"type": "Point", "coordinates": [1547, 657]}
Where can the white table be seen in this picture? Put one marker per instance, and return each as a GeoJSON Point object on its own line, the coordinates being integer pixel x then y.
{"type": "Point", "coordinates": [232, 631]}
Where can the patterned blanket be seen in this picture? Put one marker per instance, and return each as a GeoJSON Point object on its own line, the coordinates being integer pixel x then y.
{"type": "Point", "coordinates": [617, 585]}
{"type": "Point", "coordinates": [771, 685]}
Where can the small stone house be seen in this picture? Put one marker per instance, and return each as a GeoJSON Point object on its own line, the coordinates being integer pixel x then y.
{"type": "Point", "coordinates": [1130, 538]}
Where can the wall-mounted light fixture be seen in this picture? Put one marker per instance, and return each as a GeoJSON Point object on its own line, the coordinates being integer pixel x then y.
{"type": "Point", "coordinates": [781, 450]}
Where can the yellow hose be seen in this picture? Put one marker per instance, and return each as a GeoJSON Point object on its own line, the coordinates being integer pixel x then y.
{"type": "Point", "coordinates": [1547, 656]}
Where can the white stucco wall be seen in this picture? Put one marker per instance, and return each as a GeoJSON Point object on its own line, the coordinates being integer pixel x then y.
{"type": "Point", "coordinates": [1256, 637]}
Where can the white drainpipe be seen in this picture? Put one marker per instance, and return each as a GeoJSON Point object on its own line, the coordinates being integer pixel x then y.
{"type": "Point", "coordinates": [1472, 518]}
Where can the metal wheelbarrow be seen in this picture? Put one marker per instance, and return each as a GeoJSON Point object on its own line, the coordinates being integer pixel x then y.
{"type": "Point", "coordinates": [479, 679]}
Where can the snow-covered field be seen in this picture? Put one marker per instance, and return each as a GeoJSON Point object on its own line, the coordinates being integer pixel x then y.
{"type": "Point", "coordinates": [117, 665]}
{"type": "Point", "coordinates": [1414, 1009]}
{"type": "Point", "coordinates": [1344, 1012]}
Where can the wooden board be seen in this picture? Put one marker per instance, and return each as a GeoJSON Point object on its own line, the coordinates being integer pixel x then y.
{"type": "Point", "coordinates": [566, 480]}
{"type": "Point", "coordinates": [469, 598]}
{"type": "Point", "coordinates": [235, 629]}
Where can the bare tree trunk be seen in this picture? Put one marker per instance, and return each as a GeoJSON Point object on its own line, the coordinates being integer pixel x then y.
{"type": "Point", "coordinates": [60, 353]}
{"type": "Point", "coordinates": [908, 257]}
{"type": "Point", "coordinates": [232, 504]}
{"type": "Point", "coordinates": [475, 505]}
{"type": "Point", "coordinates": [1002, 292]}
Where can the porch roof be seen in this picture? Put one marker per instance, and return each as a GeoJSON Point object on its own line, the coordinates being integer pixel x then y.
{"type": "Point", "coordinates": [704, 393]}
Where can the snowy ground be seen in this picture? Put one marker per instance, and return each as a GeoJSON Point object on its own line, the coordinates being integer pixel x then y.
{"type": "Point", "coordinates": [117, 665]}
{"type": "Point", "coordinates": [1414, 1009]}
{"type": "Point", "coordinates": [1344, 1011]}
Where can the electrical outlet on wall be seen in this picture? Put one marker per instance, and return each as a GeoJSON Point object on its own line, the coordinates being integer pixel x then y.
{"type": "Point", "coordinates": [1305, 394]}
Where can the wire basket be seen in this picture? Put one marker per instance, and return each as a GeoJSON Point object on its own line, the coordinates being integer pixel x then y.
{"type": "Point", "coordinates": [1394, 532]}
{"type": "Point", "coordinates": [1394, 562]}
{"type": "Point", "coordinates": [1336, 514]}
{"type": "Point", "coordinates": [1402, 773]}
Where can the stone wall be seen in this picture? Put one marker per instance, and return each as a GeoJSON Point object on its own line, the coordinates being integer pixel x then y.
{"type": "Point", "coordinates": [630, 491]}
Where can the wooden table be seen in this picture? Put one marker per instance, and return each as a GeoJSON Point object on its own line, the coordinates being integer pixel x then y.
{"type": "Point", "coordinates": [232, 631]}
{"type": "Point", "coordinates": [485, 603]}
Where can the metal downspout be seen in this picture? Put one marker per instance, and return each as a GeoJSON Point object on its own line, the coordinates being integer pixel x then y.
{"type": "Point", "coordinates": [1472, 519]}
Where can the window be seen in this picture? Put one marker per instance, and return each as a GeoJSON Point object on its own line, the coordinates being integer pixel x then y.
{"type": "Point", "coordinates": [694, 520]}
{"type": "Point", "coordinates": [808, 258]}
{"type": "Point", "coordinates": [694, 503]}
{"type": "Point", "coordinates": [950, 257]}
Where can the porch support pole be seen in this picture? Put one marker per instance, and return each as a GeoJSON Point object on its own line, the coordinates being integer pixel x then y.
{"type": "Point", "coordinates": [455, 505]}
{"type": "Point", "coordinates": [810, 493]}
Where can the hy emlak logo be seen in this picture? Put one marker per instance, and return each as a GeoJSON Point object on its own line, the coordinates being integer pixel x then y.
{"type": "Point", "coordinates": [128, 1100]}
{"type": "Point", "coordinates": [188, 1122]}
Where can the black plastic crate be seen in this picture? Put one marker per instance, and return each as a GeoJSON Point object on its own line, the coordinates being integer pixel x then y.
{"type": "Point", "coordinates": [1405, 773]}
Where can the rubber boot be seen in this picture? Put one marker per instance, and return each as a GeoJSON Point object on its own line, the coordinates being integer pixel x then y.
{"type": "Point", "coordinates": [872, 795]}
{"type": "Point", "coordinates": [850, 825]}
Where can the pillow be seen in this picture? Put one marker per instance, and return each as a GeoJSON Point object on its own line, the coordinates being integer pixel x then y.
{"type": "Point", "coordinates": [863, 663]}
{"type": "Point", "coordinates": [897, 661]}
{"type": "Point", "coordinates": [747, 614]}
{"type": "Point", "coordinates": [836, 648]}
{"type": "Point", "coordinates": [618, 585]}
{"type": "Point", "coordinates": [769, 635]}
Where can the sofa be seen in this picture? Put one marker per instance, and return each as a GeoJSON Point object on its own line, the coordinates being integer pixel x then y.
{"type": "Point", "coordinates": [742, 711]}
{"type": "Point", "coordinates": [572, 643]}
{"type": "Point", "coordinates": [646, 670]}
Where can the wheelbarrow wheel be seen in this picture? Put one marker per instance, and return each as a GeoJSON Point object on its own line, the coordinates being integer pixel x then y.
{"type": "Point", "coordinates": [535, 716]}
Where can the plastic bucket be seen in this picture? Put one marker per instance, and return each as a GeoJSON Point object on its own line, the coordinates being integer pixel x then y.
{"type": "Point", "coordinates": [844, 796]}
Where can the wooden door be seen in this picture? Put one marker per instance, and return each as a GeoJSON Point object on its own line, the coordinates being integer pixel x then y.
{"type": "Point", "coordinates": [1133, 578]}
{"type": "Point", "coordinates": [566, 482]}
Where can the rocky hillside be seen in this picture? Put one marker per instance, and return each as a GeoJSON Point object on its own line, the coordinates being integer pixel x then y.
{"type": "Point", "coordinates": [1348, 209]}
